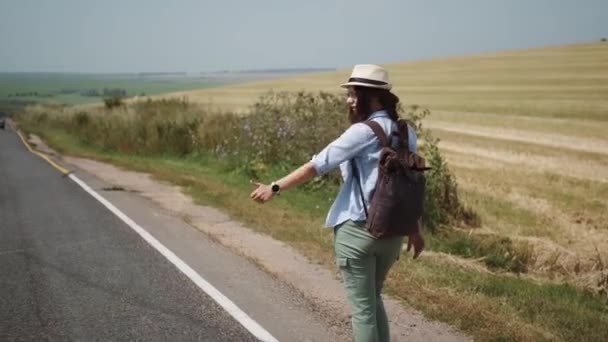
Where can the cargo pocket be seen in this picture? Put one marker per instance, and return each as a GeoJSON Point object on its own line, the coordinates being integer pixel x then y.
{"type": "Point", "coordinates": [344, 266]}
{"type": "Point", "coordinates": [342, 263]}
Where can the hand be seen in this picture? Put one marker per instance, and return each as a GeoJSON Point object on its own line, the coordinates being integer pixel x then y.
{"type": "Point", "coordinates": [417, 241]}
{"type": "Point", "coordinates": [262, 193]}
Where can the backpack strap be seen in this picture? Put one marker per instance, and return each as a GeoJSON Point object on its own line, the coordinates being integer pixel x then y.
{"type": "Point", "coordinates": [378, 131]}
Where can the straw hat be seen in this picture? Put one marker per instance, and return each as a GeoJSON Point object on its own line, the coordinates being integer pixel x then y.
{"type": "Point", "coordinates": [368, 75]}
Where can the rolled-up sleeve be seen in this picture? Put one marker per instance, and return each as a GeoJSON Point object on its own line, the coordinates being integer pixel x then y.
{"type": "Point", "coordinates": [351, 143]}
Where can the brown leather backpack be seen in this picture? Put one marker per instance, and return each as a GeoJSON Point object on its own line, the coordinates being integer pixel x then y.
{"type": "Point", "coordinates": [398, 200]}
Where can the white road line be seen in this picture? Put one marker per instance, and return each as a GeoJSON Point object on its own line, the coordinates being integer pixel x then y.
{"type": "Point", "coordinates": [222, 300]}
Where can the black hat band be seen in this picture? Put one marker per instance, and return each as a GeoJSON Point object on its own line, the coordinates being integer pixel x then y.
{"type": "Point", "coordinates": [366, 80]}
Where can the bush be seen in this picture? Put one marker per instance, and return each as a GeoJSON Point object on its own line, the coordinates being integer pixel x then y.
{"type": "Point", "coordinates": [81, 119]}
{"type": "Point", "coordinates": [283, 128]}
{"type": "Point", "coordinates": [442, 204]}
{"type": "Point", "coordinates": [113, 102]}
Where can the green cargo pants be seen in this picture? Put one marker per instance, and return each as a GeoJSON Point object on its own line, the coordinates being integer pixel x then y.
{"type": "Point", "coordinates": [364, 263]}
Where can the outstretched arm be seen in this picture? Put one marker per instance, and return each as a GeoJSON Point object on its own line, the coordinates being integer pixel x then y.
{"type": "Point", "coordinates": [303, 174]}
{"type": "Point", "coordinates": [355, 139]}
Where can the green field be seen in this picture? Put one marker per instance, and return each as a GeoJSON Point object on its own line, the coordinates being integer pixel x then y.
{"type": "Point", "coordinates": [67, 88]}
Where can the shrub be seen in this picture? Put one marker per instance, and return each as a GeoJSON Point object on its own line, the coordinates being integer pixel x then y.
{"type": "Point", "coordinates": [442, 203]}
{"type": "Point", "coordinates": [81, 119]}
{"type": "Point", "coordinates": [284, 128]}
{"type": "Point", "coordinates": [113, 102]}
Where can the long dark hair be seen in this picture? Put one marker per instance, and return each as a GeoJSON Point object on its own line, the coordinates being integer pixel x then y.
{"type": "Point", "coordinates": [364, 96]}
{"type": "Point", "coordinates": [388, 101]}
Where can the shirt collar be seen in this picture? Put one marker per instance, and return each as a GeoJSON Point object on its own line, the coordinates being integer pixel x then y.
{"type": "Point", "coordinates": [378, 114]}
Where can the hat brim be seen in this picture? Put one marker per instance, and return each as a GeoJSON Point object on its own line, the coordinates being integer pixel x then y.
{"type": "Point", "coordinates": [367, 85]}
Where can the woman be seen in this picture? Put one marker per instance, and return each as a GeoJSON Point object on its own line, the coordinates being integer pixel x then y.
{"type": "Point", "coordinates": [363, 260]}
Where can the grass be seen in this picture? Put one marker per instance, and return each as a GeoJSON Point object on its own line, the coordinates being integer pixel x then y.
{"type": "Point", "coordinates": [502, 308]}
{"type": "Point", "coordinates": [505, 217]}
{"type": "Point", "coordinates": [543, 191]}
{"type": "Point", "coordinates": [488, 305]}
{"type": "Point", "coordinates": [496, 252]}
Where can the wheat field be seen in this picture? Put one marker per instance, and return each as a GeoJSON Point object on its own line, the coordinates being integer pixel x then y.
{"type": "Point", "coordinates": [525, 132]}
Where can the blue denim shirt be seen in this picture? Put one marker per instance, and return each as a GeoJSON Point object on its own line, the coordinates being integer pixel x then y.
{"type": "Point", "coordinates": [357, 142]}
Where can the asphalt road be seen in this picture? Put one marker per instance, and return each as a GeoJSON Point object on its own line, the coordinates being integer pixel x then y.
{"type": "Point", "coordinates": [71, 270]}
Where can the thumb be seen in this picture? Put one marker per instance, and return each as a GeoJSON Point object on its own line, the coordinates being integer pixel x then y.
{"type": "Point", "coordinates": [417, 251]}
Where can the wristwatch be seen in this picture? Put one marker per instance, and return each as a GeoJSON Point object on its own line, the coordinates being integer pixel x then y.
{"type": "Point", "coordinates": [276, 189]}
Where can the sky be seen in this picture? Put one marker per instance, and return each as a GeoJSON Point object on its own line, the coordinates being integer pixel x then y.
{"type": "Point", "coordinates": [199, 36]}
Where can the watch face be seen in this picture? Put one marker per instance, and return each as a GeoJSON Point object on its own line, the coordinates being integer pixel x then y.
{"type": "Point", "coordinates": [275, 188]}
